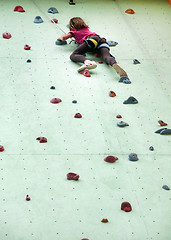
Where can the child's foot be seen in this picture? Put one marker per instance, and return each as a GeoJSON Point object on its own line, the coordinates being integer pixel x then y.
{"type": "Point", "coordinates": [119, 70]}
{"type": "Point", "coordinates": [87, 64]}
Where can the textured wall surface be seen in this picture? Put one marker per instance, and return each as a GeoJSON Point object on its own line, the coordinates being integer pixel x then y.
{"type": "Point", "coordinates": [69, 210]}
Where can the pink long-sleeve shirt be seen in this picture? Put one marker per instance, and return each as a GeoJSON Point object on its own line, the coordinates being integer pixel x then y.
{"type": "Point", "coordinates": [81, 34]}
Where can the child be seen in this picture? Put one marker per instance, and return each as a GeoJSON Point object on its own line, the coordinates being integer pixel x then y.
{"type": "Point", "coordinates": [89, 42]}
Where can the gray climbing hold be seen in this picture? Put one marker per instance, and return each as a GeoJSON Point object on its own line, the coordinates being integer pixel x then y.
{"type": "Point", "coordinates": [151, 148]}
{"type": "Point", "coordinates": [122, 124]}
{"type": "Point", "coordinates": [74, 101]}
{"type": "Point", "coordinates": [52, 87]}
{"type": "Point", "coordinates": [135, 61]}
{"type": "Point", "coordinates": [133, 157]}
{"type": "Point", "coordinates": [60, 42]}
{"type": "Point", "coordinates": [166, 132]}
{"type": "Point", "coordinates": [52, 10]}
{"type": "Point", "coordinates": [130, 100]}
{"type": "Point", "coordinates": [124, 79]}
{"type": "Point", "coordinates": [166, 187]}
{"type": "Point", "coordinates": [160, 130]}
{"type": "Point", "coordinates": [67, 25]}
{"type": "Point", "coordinates": [112, 43]}
{"type": "Point", "coordinates": [38, 19]}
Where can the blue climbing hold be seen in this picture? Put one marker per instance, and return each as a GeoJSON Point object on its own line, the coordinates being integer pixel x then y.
{"type": "Point", "coordinates": [52, 87]}
{"type": "Point", "coordinates": [130, 100]}
{"type": "Point", "coordinates": [112, 43]}
{"type": "Point", "coordinates": [60, 42]}
{"type": "Point", "coordinates": [133, 157]}
{"type": "Point", "coordinates": [166, 132]}
{"type": "Point", "coordinates": [135, 61]}
{"type": "Point", "coordinates": [52, 10]}
{"type": "Point", "coordinates": [38, 19]}
{"type": "Point", "coordinates": [122, 124]}
{"type": "Point", "coordinates": [67, 25]}
{"type": "Point", "coordinates": [151, 148]}
{"type": "Point", "coordinates": [124, 79]}
{"type": "Point", "coordinates": [166, 187]}
{"type": "Point", "coordinates": [74, 101]}
{"type": "Point", "coordinates": [160, 130]}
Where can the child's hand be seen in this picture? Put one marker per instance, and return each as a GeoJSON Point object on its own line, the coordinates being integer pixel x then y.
{"type": "Point", "coordinates": [60, 38]}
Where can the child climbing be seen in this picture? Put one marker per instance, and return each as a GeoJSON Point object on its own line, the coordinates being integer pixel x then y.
{"type": "Point", "coordinates": [90, 42]}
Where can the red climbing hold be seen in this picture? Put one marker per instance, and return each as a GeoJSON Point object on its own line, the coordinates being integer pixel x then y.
{"type": "Point", "coordinates": [129, 11]}
{"type": "Point", "coordinates": [19, 9]}
{"type": "Point", "coordinates": [126, 206]}
{"type": "Point", "coordinates": [54, 20]}
{"type": "Point", "coordinates": [112, 94]}
{"type": "Point", "coordinates": [85, 72]}
{"type": "Point", "coordinates": [28, 198]}
{"type": "Point", "coordinates": [27, 47]}
{"type": "Point", "coordinates": [118, 116]}
{"type": "Point", "coordinates": [100, 62]}
{"type": "Point", "coordinates": [1, 148]}
{"type": "Point", "coordinates": [55, 100]}
{"type": "Point", "coordinates": [78, 115]}
{"type": "Point", "coordinates": [162, 123]}
{"type": "Point", "coordinates": [42, 139]}
{"type": "Point", "coordinates": [6, 35]}
{"type": "Point", "coordinates": [110, 159]}
{"type": "Point", "coordinates": [72, 176]}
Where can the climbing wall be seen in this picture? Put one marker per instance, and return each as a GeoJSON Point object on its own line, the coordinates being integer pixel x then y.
{"type": "Point", "coordinates": [60, 209]}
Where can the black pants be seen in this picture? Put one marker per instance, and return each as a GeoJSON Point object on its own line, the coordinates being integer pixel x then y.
{"type": "Point", "coordinates": [77, 55]}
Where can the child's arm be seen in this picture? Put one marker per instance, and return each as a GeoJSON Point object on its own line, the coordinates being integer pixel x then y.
{"type": "Point", "coordinates": [65, 37]}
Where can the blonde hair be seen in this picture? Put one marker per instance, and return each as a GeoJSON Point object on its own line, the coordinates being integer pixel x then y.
{"type": "Point", "coordinates": [77, 23]}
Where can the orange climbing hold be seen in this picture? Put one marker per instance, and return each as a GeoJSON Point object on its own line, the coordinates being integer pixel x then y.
{"type": "Point", "coordinates": [162, 123]}
{"type": "Point", "coordinates": [104, 220]}
{"type": "Point", "coordinates": [129, 11]}
{"type": "Point", "coordinates": [112, 94]}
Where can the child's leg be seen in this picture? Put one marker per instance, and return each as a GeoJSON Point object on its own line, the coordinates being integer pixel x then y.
{"type": "Point", "coordinates": [110, 60]}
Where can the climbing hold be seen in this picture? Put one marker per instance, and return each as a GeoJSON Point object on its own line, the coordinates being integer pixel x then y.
{"type": "Point", "coordinates": [38, 19]}
{"type": "Point", "coordinates": [85, 72]}
{"type": "Point", "coordinates": [84, 239]}
{"type": "Point", "coordinates": [133, 157]}
{"type": "Point", "coordinates": [122, 124]}
{"type": "Point", "coordinates": [19, 9]}
{"type": "Point", "coordinates": [100, 62]}
{"type": "Point", "coordinates": [162, 123]}
{"type": "Point", "coordinates": [104, 220]}
{"type": "Point", "coordinates": [71, 2]}
{"type": "Point", "coordinates": [110, 159]}
{"type": "Point", "coordinates": [27, 47]}
{"type": "Point", "coordinates": [78, 115]}
{"type": "Point", "coordinates": [118, 116]}
{"type": "Point", "coordinates": [160, 130]}
{"type": "Point", "coordinates": [1, 148]}
{"type": "Point", "coordinates": [126, 206]}
{"type": "Point", "coordinates": [28, 198]}
{"type": "Point", "coordinates": [42, 139]}
{"type": "Point", "coordinates": [129, 11]}
{"type": "Point", "coordinates": [112, 43]}
{"type": "Point", "coordinates": [54, 20]}
{"type": "Point", "coordinates": [165, 132]}
{"type": "Point", "coordinates": [112, 94]}
{"type": "Point", "coordinates": [151, 148]}
{"type": "Point", "coordinates": [6, 35]}
{"type": "Point", "coordinates": [29, 61]}
{"type": "Point", "coordinates": [55, 100]}
{"type": "Point", "coordinates": [166, 187]}
{"type": "Point", "coordinates": [124, 79]}
{"type": "Point", "coordinates": [52, 87]}
{"type": "Point", "coordinates": [60, 42]}
{"type": "Point", "coordinates": [135, 61]}
{"type": "Point", "coordinates": [52, 10]}
{"type": "Point", "coordinates": [72, 176]}
{"type": "Point", "coordinates": [97, 55]}
{"type": "Point", "coordinates": [74, 101]}
{"type": "Point", "coordinates": [130, 100]}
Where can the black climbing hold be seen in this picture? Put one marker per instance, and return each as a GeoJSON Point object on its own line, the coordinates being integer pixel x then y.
{"type": "Point", "coordinates": [74, 101]}
{"type": "Point", "coordinates": [112, 43]}
{"type": "Point", "coordinates": [38, 19]}
{"type": "Point", "coordinates": [71, 2]}
{"type": "Point", "coordinates": [29, 61]}
{"type": "Point", "coordinates": [133, 157]}
{"type": "Point", "coordinates": [166, 187]}
{"type": "Point", "coordinates": [124, 79]}
{"type": "Point", "coordinates": [122, 124]}
{"type": "Point", "coordinates": [151, 148]}
{"type": "Point", "coordinates": [52, 87]}
{"type": "Point", "coordinates": [135, 61]}
{"type": "Point", "coordinates": [160, 130]}
{"type": "Point", "coordinates": [130, 100]}
{"type": "Point", "coordinates": [60, 42]}
{"type": "Point", "coordinates": [52, 10]}
{"type": "Point", "coordinates": [166, 132]}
